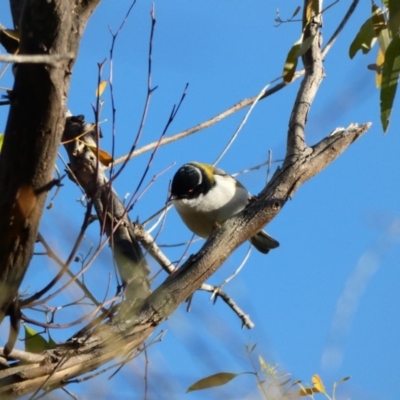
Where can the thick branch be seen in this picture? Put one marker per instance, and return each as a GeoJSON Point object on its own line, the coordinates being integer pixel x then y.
{"type": "Point", "coordinates": [92, 347]}
{"type": "Point", "coordinates": [312, 60]}
{"type": "Point", "coordinates": [180, 285]}
{"type": "Point", "coordinates": [33, 132]}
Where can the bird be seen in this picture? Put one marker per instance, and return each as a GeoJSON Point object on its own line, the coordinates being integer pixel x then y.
{"type": "Point", "coordinates": [205, 196]}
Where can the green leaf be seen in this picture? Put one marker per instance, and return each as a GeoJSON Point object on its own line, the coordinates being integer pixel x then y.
{"type": "Point", "coordinates": [219, 379]}
{"type": "Point", "coordinates": [1, 140]}
{"type": "Point", "coordinates": [364, 39]}
{"type": "Point", "coordinates": [390, 77]}
{"type": "Point", "coordinates": [344, 379]}
{"type": "Point", "coordinates": [34, 343]}
{"type": "Point", "coordinates": [394, 16]}
{"type": "Point", "coordinates": [380, 27]}
{"type": "Point", "coordinates": [296, 11]}
{"type": "Point", "coordinates": [305, 45]}
{"type": "Point", "coordinates": [291, 61]}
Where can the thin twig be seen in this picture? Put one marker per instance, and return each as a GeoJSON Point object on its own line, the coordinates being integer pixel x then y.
{"type": "Point", "coordinates": [171, 118]}
{"type": "Point", "coordinates": [70, 324]}
{"type": "Point", "coordinates": [150, 91]}
{"type": "Point", "coordinates": [23, 355]}
{"type": "Point", "coordinates": [151, 247]}
{"type": "Point", "coordinates": [40, 293]}
{"type": "Point", "coordinates": [235, 135]}
{"type": "Point", "coordinates": [312, 60]}
{"type": "Point", "coordinates": [342, 24]}
{"type": "Point", "coordinates": [258, 166]}
{"type": "Point", "coordinates": [50, 253]}
{"type": "Point", "coordinates": [111, 81]}
{"type": "Point", "coordinates": [269, 165]}
{"type": "Point", "coordinates": [217, 291]}
{"type": "Point", "coordinates": [206, 124]}
{"type": "Point", "coordinates": [146, 373]}
{"type": "Point", "coordinates": [238, 106]}
{"type": "Point", "coordinates": [236, 272]}
{"type": "Point", "coordinates": [50, 59]}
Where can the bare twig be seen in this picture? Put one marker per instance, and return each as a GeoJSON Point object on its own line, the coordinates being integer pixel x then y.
{"type": "Point", "coordinates": [31, 300]}
{"type": "Point", "coordinates": [151, 247]}
{"type": "Point", "coordinates": [236, 272]}
{"type": "Point", "coordinates": [235, 135]}
{"type": "Point", "coordinates": [114, 37]}
{"type": "Point", "coordinates": [269, 165]}
{"type": "Point", "coordinates": [24, 356]}
{"type": "Point", "coordinates": [312, 60]}
{"type": "Point", "coordinates": [50, 59]}
{"type": "Point", "coordinates": [48, 325]}
{"type": "Point", "coordinates": [342, 24]}
{"type": "Point", "coordinates": [269, 162]}
{"type": "Point", "coordinates": [238, 106]}
{"type": "Point", "coordinates": [171, 118]}
{"type": "Point", "coordinates": [217, 291]}
{"type": "Point", "coordinates": [150, 91]}
{"type": "Point", "coordinates": [50, 253]}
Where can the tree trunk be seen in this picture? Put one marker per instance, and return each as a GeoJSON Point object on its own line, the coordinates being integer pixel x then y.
{"type": "Point", "coordinates": [34, 129]}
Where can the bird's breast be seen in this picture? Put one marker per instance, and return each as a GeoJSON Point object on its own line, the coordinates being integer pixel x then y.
{"type": "Point", "coordinates": [217, 205]}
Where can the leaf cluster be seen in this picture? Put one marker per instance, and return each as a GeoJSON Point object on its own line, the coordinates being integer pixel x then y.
{"type": "Point", "coordinates": [271, 382]}
{"type": "Point", "coordinates": [382, 27]}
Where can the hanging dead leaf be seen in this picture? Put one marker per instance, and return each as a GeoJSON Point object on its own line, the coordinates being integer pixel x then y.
{"type": "Point", "coordinates": [318, 384]}
{"type": "Point", "coordinates": [102, 86]}
{"type": "Point", "coordinates": [104, 157]}
{"type": "Point", "coordinates": [26, 201]}
{"type": "Point", "coordinates": [379, 63]}
{"type": "Point", "coordinates": [219, 379]}
{"type": "Point", "coordinates": [307, 391]}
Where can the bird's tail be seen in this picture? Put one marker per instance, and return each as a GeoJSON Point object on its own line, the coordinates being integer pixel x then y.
{"type": "Point", "coordinates": [263, 242]}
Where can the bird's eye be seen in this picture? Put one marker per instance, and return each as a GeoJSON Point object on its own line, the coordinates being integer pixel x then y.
{"type": "Point", "coordinates": [190, 190]}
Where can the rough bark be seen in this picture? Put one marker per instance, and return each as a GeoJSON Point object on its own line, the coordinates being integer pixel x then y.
{"type": "Point", "coordinates": [33, 132]}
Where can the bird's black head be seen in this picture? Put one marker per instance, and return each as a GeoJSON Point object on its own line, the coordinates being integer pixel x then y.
{"type": "Point", "coordinates": [191, 180]}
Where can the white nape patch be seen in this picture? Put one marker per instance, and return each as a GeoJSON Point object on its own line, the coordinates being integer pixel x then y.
{"type": "Point", "coordinates": [198, 171]}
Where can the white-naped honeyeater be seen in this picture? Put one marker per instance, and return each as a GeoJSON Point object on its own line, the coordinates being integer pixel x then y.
{"type": "Point", "coordinates": [206, 196]}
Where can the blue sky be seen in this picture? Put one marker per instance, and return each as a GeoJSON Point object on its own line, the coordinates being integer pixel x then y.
{"type": "Point", "coordinates": [327, 300]}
